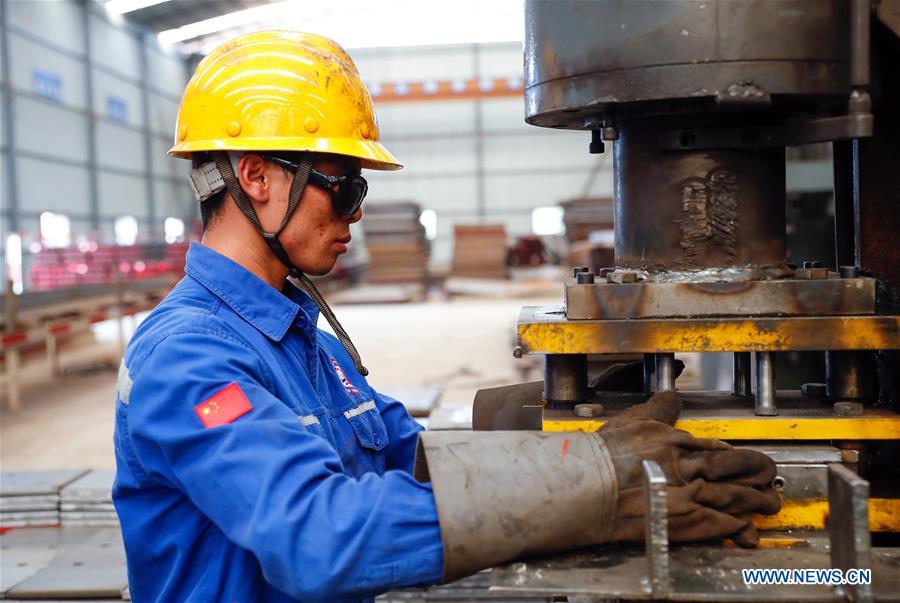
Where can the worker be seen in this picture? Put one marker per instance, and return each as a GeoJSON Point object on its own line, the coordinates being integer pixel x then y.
{"type": "Point", "coordinates": [254, 460]}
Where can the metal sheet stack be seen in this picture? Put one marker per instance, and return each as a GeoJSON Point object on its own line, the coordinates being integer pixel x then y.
{"type": "Point", "coordinates": [396, 243]}
{"type": "Point", "coordinates": [87, 501]}
{"type": "Point", "coordinates": [584, 216]}
{"type": "Point", "coordinates": [479, 251]}
{"type": "Point", "coordinates": [31, 498]}
{"type": "Point", "coordinates": [473, 588]}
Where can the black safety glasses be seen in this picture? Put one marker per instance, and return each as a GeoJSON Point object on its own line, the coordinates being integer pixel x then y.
{"type": "Point", "coordinates": [347, 192]}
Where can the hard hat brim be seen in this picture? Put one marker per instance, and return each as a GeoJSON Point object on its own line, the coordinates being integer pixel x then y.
{"type": "Point", "coordinates": [371, 154]}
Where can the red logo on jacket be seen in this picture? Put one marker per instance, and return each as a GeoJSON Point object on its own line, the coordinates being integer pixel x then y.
{"type": "Point", "coordinates": [343, 377]}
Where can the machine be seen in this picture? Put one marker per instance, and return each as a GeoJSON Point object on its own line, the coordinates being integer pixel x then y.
{"type": "Point", "coordinates": [699, 99]}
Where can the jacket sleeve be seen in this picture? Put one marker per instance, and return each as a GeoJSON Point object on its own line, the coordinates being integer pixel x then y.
{"type": "Point", "coordinates": [272, 487]}
{"type": "Point", "coordinates": [403, 432]}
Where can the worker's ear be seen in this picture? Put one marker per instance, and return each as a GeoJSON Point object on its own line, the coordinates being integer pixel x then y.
{"type": "Point", "coordinates": [254, 176]}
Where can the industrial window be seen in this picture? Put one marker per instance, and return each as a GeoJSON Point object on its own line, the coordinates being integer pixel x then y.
{"type": "Point", "coordinates": [14, 262]}
{"type": "Point", "coordinates": [428, 219]}
{"type": "Point", "coordinates": [547, 221]}
{"type": "Point", "coordinates": [55, 230]}
{"type": "Point", "coordinates": [126, 230]}
{"type": "Point", "coordinates": [174, 230]}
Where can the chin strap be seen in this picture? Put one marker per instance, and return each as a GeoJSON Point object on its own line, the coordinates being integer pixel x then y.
{"type": "Point", "coordinates": [271, 238]}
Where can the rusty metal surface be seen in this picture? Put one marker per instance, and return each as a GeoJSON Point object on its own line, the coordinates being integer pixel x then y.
{"type": "Point", "coordinates": [850, 375]}
{"type": "Point", "coordinates": [507, 494]}
{"type": "Point", "coordinates": [509, 407]}
{"type": "Point", "coordinates": [785, 297]}
{"type": "Point", "coordinates": [545, 330]}
{"type": "Point", "coordinates": [698, 572]}
{"type": "Point", "coordinates": [565, 378]}
{"type": "Point", "coordinates": [581, 57]}
{"type": "Point", "coordinates": [848, 526]}
{"type": "Point", "coordinates": [94, 568]}
{"type": "Point", "coordinates": [656, 529]}
{"type": "Point", "coordinates": [695, 209]}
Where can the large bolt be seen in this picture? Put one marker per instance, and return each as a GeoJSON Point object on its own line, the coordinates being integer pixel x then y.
{"type": "Point", "coordinates": [809, 274]}
{"type": "Point", "coordinates": [518, 352]}
{"type": "Point", "coordinates": [584, 278]}
{"type": "Point", "coordinates": [849, 271]}
{"type": "Point", "coordinates": [816, 390]}
{"type": "Point", "coordinates": [589, 411]}
{"type": "Point", "coordinates": [848, 409]}
{"type": "Point", "coordinates": [576, 270]}
{"type": "Point", "coordinates": [596, 145]}
{"type": "Point", "coordinates": [622, 277]}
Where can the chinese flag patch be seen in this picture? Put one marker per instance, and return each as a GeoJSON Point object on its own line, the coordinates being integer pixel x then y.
{"type": "Point", "coordinates": [225, 406]}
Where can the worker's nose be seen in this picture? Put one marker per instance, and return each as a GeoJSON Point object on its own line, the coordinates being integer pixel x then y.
{"type": "Point", "coordinates": [355, 216]}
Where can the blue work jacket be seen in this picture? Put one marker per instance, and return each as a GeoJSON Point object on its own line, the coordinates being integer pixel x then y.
{"type": "Point", "coordinates": [254, 463]}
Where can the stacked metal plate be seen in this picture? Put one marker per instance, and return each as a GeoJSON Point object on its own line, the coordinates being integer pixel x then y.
{"type": "Point", "coordinates": [63, 564]}
{"type": "Point", "coordinates": [472, 588]}
{"type": "Point", "coordinates": [31, 498]}
{"type": "Point", "coordinates": [87, 501]}
{"type": "Point", "coordinates": [479, 251]}
{"type": "Point", "coordinates": [395, 240]}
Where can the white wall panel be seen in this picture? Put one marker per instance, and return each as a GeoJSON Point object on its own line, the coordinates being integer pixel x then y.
{"type": "Point", "coordinates": [504, 114]}
{"type": "Point", "coordinates": [454, 195]}
{"type": "Point", "coordinates": [539, 150]}
{"type": "Point", "coordinates": [106, 85]}
{"type": "Point", "coordinates": [501, 60]}
{"type": "Point", "coordinates": [119, 147]}
{"type": "Point", "coordinates": [116, 49]}
{"type": "Point", "coordinates": [25, 57]}
{"type": "Point", "coordinates": [438, 155]}
{"type": "Point", "coordinates": [122, 195]}
{"type": "Point", "coordinates": [41, 127]}
{"type": "Point", "coordinates": [517, 224]}
{"type": "Point", "coordinates": [52, 187]}
{"type": "Point", "coordinates": [2, 72]}
{"type": "Point", "coordinates": [4, 191]}
{"type": "Point", "coordinates": [399, 119]}
{"type": "Point", "coordinates": [174, 200]}
{"type": "Point", "coordinates": [516, 193]}
{"type": "Point", "coordinates": [163, 165]}
{"type": "Point", "coordinates": [165, 72]}
{"type": "Point", "coordinates": [162, 115]}
{"type": "Point", "coordinates": [414, 64]}
{"type": "Point", "coordinates": [58, 21]}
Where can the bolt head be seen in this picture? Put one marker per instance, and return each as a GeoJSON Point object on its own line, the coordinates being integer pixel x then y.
{"type": "Point", "coordinates": [584, 278]}
{"type": "Point", "coordinates": [817, 390]}
{"type": "Point", "coordinates": [589, 411]}
{"type": "Point", "coordinates": [849, 271]}
{"type": "Point", "coordinates": [848, 409]}
{"type": "Point", "coordinates": [623, 277]}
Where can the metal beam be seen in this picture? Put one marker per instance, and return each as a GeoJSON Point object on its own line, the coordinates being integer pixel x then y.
{"type": "Point", "coordinates": [93, 180]}
{"type": "Point", "coordinates": [148, 135]}
{"type": "Point", "coordinates": [8, 125]}
{"type": "Point", "coordinates": [545, 330]}
{"type": "Point", "coordinates": [873, 424]}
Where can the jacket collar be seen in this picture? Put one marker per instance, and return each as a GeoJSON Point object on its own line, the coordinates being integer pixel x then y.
{"type": "Point", "coordinates": [268, 310]}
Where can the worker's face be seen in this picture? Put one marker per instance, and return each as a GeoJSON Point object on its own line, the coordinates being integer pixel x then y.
{"type": "Point", "coordinates": [316, 235]}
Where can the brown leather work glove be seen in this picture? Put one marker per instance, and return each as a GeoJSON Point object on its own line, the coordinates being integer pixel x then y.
{"type": "Point", "coordinates": [712, 486]}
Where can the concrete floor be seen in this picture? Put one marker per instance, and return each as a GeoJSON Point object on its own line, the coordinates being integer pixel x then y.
{"type": "Point", "coordinates": [460, 345]}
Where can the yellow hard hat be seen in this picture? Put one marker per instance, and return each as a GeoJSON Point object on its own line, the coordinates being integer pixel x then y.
{"type": "Point", "coordinates": [280, 91]}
